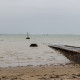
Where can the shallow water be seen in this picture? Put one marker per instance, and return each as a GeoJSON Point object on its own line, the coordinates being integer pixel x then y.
{"type": "Point", "coordinates": [15, 50]}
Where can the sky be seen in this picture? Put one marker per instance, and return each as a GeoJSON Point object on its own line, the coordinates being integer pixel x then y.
{"type": "Point", "coordinates": [40, 16]}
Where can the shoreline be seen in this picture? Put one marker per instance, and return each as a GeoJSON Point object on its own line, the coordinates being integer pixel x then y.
{"type": "Point", "coordinates": [69, 71]}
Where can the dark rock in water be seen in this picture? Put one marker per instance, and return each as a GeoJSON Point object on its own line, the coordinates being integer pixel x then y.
{"type": "Point", "coordinates": [33, 45]}
{"type": "Point", "coordinates": [27, 38]}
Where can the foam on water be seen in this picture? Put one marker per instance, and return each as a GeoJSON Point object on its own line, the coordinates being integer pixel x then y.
{"type": "Point", "coordinates": [15, 50]}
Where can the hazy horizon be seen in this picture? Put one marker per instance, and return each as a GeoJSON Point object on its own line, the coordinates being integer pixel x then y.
{"type": "Point", "coordinates": [40, 17]}
{"type": "Point", "coordinates": [37, 34]}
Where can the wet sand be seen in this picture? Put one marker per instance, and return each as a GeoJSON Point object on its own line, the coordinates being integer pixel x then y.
{"type": "Point", "coordinates": [52, 72]}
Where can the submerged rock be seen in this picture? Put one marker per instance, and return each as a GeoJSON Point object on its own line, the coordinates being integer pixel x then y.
{"type": "Point", "coordinates": [33, 45]}
{"type": "Point", "coordinates": [28, 38]}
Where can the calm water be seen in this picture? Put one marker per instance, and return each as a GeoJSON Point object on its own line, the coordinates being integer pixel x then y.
{"type": "Point", "coordinates": [15, 50]}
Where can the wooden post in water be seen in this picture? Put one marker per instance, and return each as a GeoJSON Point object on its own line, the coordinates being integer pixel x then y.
{"type": "Point", "coordinates": [28, 36]}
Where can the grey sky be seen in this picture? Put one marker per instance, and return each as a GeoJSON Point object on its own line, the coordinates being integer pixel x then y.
{"type": "Point", "coordinates": [40, 16]}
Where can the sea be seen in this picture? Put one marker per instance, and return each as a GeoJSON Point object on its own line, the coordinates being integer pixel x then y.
{"type": "Point", "coordinates": [15, 49]}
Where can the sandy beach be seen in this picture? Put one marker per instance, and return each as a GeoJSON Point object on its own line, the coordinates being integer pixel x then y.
{"type": "Point", "coordinates": [41, 72]}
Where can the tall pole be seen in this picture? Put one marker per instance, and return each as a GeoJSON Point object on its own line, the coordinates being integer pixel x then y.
{"type": "Point", "coordinates": [27, 34]}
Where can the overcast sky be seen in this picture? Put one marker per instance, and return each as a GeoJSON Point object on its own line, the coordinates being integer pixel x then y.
{"type": "Point", "coordinates": [40, 16]}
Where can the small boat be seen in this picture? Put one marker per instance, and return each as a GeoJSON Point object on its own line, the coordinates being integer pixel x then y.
{"type": "Point", "coordinates": [27, 36]}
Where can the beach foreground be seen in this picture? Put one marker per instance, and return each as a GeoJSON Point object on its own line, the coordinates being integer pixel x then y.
{"type": "Point", "coordinates": [52, 72]}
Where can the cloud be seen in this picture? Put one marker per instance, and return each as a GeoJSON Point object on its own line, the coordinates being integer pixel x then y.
{"type": "Point", "coordinates": [23, 7]}
{"type": "Point", "coordinates": [39, 14]}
